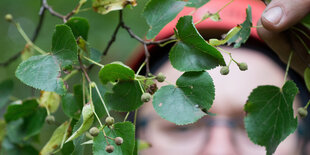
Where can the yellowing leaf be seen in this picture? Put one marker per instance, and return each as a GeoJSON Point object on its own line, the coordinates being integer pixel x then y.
{"type": "Point", "coordinates": [106, 6]}
{"type": "Point", "coordinates": [88, 118]}
{"type": "Point", "coordinates": [49, 100]}
{"type": "Point", "coordinates": [307, 78]}
{"type": "Point", "coordinates": [27, 52]}
{"type": "Point", "coordinates": [56, 140]}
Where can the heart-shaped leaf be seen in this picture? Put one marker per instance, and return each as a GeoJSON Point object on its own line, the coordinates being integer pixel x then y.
{"type": "Point", "coordinates": [182, 104]}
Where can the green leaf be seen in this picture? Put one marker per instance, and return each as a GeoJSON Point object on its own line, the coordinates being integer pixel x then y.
{"type": "Point", "coordinates": [57, 139]}
{"type": "Point", "coordinates": [49, 100]}
{"type": "Point", "coordinates": [232, 32]}
{"type": "Point", "coordinates": [70, 106]}
{"type": "Point", "coordinates": [78, 147]}
{"type": "Point", "coordinates": [88, 119]}
{"type": "Point", "coordinates": [6, 88]}
{"type": "Point", "coordinates": [106, 6]}
{"type": "Point", "coordinates": [307, 78]}
{"type": "Point", "coordinates": [126, 96]}
{"type": "Point", "coordinates": [270, 116]}
{"type": "Point", "coordinates": [243, 35]}
{"type": "Point", "coordinates": [95, 55]}
{"type": "Point", "coordinates": [67, 148]}
{"type": "Point", "coordinates": [41, 72]}
{"type": "Point", "coordinates": [116, 71]}
{"type": "Point", "coordinates": [78, 95]}
{"type": "Point", "coordinates": [3, 130]}
{"type": "Point", "coordinates": [64, 46]}
{"type": "Point", "coordinates": [182, 104]}
{"type": "Point", "coordinates": [126, 130]}
{"type": "Point", "coordinates": [192, 52]}
{"type": "Point", "coordinates": [159, 13]}
{"type": "Point", "coordinates": [79, 27]}
{"type": "Point", "coordinates": [34, 123]}
{"type": "Point", "coordinates": [15, 131]}
{"type": "Point", "coordinates": [196, 3]}
{"type": "Point", "coordinates": [20, 109]}
{"type": "Point", "coordinates": [9, 148]}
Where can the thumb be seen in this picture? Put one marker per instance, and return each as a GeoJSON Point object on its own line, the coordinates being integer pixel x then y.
{"type": "Point", "coordinates": [279, 15]}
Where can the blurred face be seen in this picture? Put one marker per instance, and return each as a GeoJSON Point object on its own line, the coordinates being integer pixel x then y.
{"type": "Point", "coordinates": [223, 134]}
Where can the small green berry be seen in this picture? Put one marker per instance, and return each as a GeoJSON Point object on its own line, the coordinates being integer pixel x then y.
{"type": "Point", "coordinates": [224, 70]}
{"type": "Point", "coordinates": [109, 148]}
{"type": "Point", "coordinates": [243, 66]}
{"type": "Point", "coordinates": [160, 77]}
{"type": "Point", "coordinates": [118, 140]}
{"type": "Point", "coordinates": [93, 84]}
{"type": "Point", "coordinates": [109, 120]}
{"type": "Point", "coordinates": [8, 17]}
{"type": "Point", "coordinates": [94, 131]}
{"type": "Point", "coordinates": [50, 119]}
{"type": "Point", "coordinates": [302, 112]}
{"type": "Point", "coordinates": [145, 97]}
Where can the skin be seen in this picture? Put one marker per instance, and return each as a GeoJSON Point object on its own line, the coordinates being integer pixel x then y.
{"type": "Point", "coordinates": [273, 31]}
{"type": "Point", "coordinates": [232, 91]}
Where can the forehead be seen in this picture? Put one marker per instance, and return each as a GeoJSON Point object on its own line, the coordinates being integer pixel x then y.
{"type": "Point", "coordinates": [232, 90]}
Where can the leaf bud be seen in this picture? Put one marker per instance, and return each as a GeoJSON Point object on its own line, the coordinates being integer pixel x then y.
{"type": "Point", "coordinates": [109, 148]}
{"type": "Point", "coordinates": [160, 77]}
{"type": "Point", "coordinates": [109, 120]}
{"type": "Point", "coordinates": [118, 140]}
{"type": "Point", "coordinates": [224, 70]}
{"type": "Point", "coordinates": [94, 131]}
{"type": "Point", "coordinates": [302, 112]}
{"type": "Point", "coordinates": [50, 119]}
{"type": "Point", "coordinates": [8, 17]}
{"type": "Point", "coordinates": [145, 97]}
{"type": "Point", "coordinates": [243, 66]}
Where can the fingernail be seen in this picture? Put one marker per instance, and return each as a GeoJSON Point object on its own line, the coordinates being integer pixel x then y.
{"type": "Point", "coordinates": [273, 15]}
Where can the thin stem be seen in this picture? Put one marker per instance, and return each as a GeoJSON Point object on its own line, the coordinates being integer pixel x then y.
{"type": "Point", "coordinates": [105, 107]}
{"type": "Point", "coordinates": [306, 107]}
{"type": "Point", "coordinates": [126, 116]}
{"type": "Point", "coordinates": [83, 69]}
{"type": "Point", "coordinates": [302, 42]}
{"type": "Point", "coordinates": [140, 68]}
{"type": "Point", "coordinates": [147, 59]}
{"type": "Point", "coordinates": [92, 105]}
{"type": "Point", "coordinates": [38, 28]}
{"type": "Point", "coordinates": [257, 26]}
{"type": "Point", "coordinates": [67, 77]}
{"type": "Point", "coordinates": [299, 30]}
{"type": "Point", "coordinates": [224, 6]}
{"type": "Point", "coordinates": [84, 89]}
{"type": "Point", "coordinates": [113, 38]}
{"type": "Point", "coordinates": [288, 65]}
{"type": "Point", "coordinates": [168, 42]}
{"type": "Point", "coordinates": [24, 35]}
{"type": "Point", "coordinates": [141, 86]}
{"type": "Point", "coordinates": [135, 118]}
{"type": "Point", "coordinates": [54, 13]}
{"type": "Point", "coordinates": [92, 61]}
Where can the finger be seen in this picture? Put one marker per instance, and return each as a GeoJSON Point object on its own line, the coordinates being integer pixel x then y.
{"type": "Point", "coordinates": [279, 15]}
{"type": "Point", "coordinates": [280, 44]}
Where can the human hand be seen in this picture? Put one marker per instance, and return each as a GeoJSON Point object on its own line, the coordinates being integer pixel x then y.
{"type": "Point", "coordinates": [278, 19]}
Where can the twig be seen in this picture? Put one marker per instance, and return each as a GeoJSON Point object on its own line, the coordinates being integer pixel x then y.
{"type": "Point", "coordinates": [83, 69]}
{"type": "Point", "coordinates": [38, 28]}
{"type": "Point", "coordinates": [50, 9]}
{"type": "Point", "coordinates": [114, 34]}
{"type": "Point", "coordinates": [147, 59]}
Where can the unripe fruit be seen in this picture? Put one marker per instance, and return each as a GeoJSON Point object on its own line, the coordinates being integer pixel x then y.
{"type": "Point", "coordinates": [8, 17]}
{"type": "Point", "coordinates": [94, 131]}
{"type": "Point", "coordinates": [224, 70]}
{"type": "Point", "coordinates": [118, 140]}
{"type": "Point", "coordinates": [145, 97]}
{"type": "Point", "coordinates": [109, 148]}
{"type": "Point", "coordinates": [109, 121]}
{"type": "Point", "coordinates": [50, 119]}
{"type": "Point", "coordinates": [243, 66]}
{"type": "Point", "coordinates": [302, 112]}
{"type": "Point", "coordinates": [160, 77]}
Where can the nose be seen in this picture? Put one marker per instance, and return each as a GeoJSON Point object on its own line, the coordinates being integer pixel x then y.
{"type": "Point", "coordinates": [219, 142]}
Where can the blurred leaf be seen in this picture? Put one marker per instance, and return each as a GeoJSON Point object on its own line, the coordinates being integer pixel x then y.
{"type": "Point", "coordinates": [79, 27]}
{"type": "Point", "coordinates": [9, 148]}
{"type": "Point", "coordinates": [192, 52]}
{"type": "Point", "coordinates": [70, 106]}
{"type": "Point", "coordinates": [99, 108]}
{"type": "Point", "coordinates": [3, 130]}
{"type": "Point", "coordinates": [20, 109]}
{"type": "Point", "coordinates": [95, 55]}
{"type": "Point", "coordinates": [116, 71]}
{"type": "Point", "coordinates": [143, 145]}
{"type": "Point", "coordinates": [106, 6]}
{"type": "Point", "coordinates": [67, 148]}
{"type": "Point", "coordinates": [126, 96]}
{"type": "Point", "coordinates": [15, 131]}
{"type": "Point", "coordinates": [307, 78]}
{"type": "Point", "coordinates": [88, 118]}
{"type": "Point", "coordinates": [34, 123]}
{"type": "Point", "coordinates": [41, 72]}
{"type": "Point", "coordinates": [78, 94]}
{"type": "Point", "coordinates": [78, 148]}
{"type": "Point", "coordinates": [126, 130]}
{"type": "Point", "coordinates": [58, 137]}
{"type": "Point", "coordinates": [196, 3]}
{"type": "Point", "coordinates": [50, 100]}
{"type": "Point", "coordinates": [6, 88]}
{"type": "Point", "coordinates": [270, 115]}
{"type": "Point", "coordinates": [181, 104]}
{"type": "Point", "coordinates": [243, 35]}
{"type": "Point", "coordinates": [64, 46]}
{"type": "Point", "coordinates": [158, 13]}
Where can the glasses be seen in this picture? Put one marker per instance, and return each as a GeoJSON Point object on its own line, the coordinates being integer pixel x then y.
{"type": "Point", "coordinates": [187, 138]}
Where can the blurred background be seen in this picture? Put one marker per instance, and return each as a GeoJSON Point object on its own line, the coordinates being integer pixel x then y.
{"type": "Point", "coordinates": [26, 12]}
